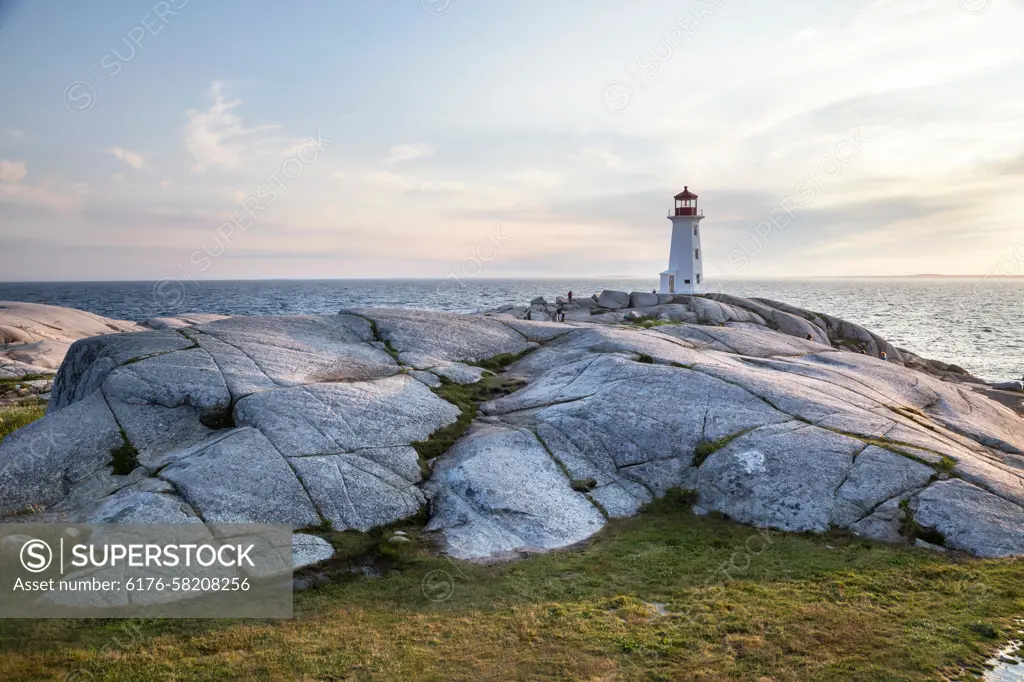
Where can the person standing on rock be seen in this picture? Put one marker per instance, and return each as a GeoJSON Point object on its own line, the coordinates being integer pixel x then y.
{"type": "Point", "coordinates": [570, 297]}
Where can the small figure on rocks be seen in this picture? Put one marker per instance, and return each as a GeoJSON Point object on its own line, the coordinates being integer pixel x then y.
{"type": "Point", "coordinates": [883, 355]}
{"type": "Point", "coordinates": [810, 338]}
{"type": "Point", "coordinates": [570, 297]}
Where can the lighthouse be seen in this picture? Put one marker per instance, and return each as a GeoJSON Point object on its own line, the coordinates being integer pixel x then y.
{"type": "Point", "coordinates": [685, 270]}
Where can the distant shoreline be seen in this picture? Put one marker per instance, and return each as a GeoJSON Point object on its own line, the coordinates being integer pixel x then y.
{"type": "Point", "coordinates": [524, 279]}
{"type": "Point", "coordinates": [922, 277]}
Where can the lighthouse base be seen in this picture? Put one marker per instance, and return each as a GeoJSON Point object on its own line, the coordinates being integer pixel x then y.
{"type": "Point", "coordinates": [672, 283]}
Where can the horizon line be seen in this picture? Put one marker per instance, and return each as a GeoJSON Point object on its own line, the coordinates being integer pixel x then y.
{"type": "Point", "coordinates": [506, 279]}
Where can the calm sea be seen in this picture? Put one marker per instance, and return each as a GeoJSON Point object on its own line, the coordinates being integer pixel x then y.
{"type": "Point", "coordinates": [978, 324]}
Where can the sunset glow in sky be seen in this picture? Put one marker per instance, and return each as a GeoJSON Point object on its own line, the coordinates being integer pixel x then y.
{"type": "Point", "coordinates": [140, 140]}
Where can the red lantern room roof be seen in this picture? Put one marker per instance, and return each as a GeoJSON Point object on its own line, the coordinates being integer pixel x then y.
{"type": "Point", "coordinates": [686, 194]}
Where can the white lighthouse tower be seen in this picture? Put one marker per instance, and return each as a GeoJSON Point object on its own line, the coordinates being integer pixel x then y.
{"type": "Point", "coordinates": [685, 270]}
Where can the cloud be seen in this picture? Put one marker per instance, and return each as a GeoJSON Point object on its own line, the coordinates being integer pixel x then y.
{"type": "Point", "coordinates": [1012, 166]}
{"type": "Point", "coordinates": [443, 186]}
{"type": "Point", "coordinates": [165, 184]}
{"type": "Point", "coordinates": [17, 135]}
{"type": "Point", "coordinates": [408, 152]}
{"type": "Point", "coordinates": [45, 193]}
{"type": "Point", "coordinates": [128, 156]}
{"type": "Point", "coordinates": [807, 34]}
{"type": "Point", "coordinates": [405, 183]}
{"type": "Point", "coordinates": [118, 176]}
{"type": "Point", "coordinates": [12, 171]}
{"type": "Point", "coordinates": [535, 178]}
{"type": "Point", "coordinates": [217, 137]}
{"type": "Point", "coordinates": [387, 178]}
{"type": "Point", "coordinates": [604, 157]}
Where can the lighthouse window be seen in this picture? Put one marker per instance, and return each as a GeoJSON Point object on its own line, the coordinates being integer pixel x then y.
{"type": "Point", "coordinates": [696, 254]}
{"type": "Point", "coordinates": [698, 278]}
{"type": "Point", "coordinates": [695, 231]}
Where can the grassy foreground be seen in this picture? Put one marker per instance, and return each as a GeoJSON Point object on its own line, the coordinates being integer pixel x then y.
{"type": "Point", "coordinates": [13, 417]}
{"type": "Point", "coordinates": [667, 595]}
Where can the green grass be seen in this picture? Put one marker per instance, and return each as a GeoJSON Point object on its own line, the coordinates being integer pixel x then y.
{"type": "Point", "coordinates": [124, 459]}
{"type": "Point", "coordinates": [11, 382]}
{"type": "Point", "coordinates": [13, 417]}
{"type": "Point", "coordinates": [499, 362]}
{"type": "Point", "coordinates": [583, 485]}
{"type": "Point", "coordinates": [663, 596]}
{"type": "Point", "coordinates": [466, 397]}
{"type": "Point", "coordinates": [706, 448]}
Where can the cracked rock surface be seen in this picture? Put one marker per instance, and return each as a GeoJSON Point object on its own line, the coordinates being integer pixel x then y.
{"type": "Point", "coordinates": [316, 420]}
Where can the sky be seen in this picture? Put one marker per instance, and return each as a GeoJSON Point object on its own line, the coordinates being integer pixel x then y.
{"type": "Point", "coordinates": [143, 140]}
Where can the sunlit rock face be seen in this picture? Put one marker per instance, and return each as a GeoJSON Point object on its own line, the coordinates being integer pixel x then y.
{"type": "Point", "coordinates": [770, 415]}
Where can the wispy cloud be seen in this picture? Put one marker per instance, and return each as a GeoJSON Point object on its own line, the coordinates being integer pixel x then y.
{"type": "Point", "coordinates": [217, 137]}
{"type": "Point", "coordinates": [605, 158]}
{"type": "Point", "coordinates": [45, 194]}
{"type": "Point", "coordinates": [17, 135]}
{"type": "Point", "coordinates": [408, 152]}
{"type": "Point", "coordinates": [131, 158]}
{"type": "Point", "coordinates": [535, 178]}
{"type": "Point", "coordinates": [12, 171]}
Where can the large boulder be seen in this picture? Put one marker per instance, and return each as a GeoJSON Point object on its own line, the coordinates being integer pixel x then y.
{"type": "Point", "coordinates": [426, 338]}
{"type": "Point", "coordinates": [345, 417]}
{"type": "Point", "coordinates": [639, 299]}
{"type": "Point", "coordinates": [35, 337]}
{"type": "Point", "coordinates": [40, 462]}
{"type": "Point", "coordinates": [971, 519]}
{"type": "Point", "coordinates": [613, 300]}
{"type": "Point", "coordinates": [877, 475]}
{"type": "Point", "coordinates": [1017, 386]}
{"type": "Point", "coordinates": [783, 476]}
{"type": "Point", "coordinates": [498, 491]}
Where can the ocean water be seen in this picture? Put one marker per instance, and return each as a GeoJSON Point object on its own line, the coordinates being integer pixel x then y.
{"type": "Point", "coordinates": [977, 324]}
